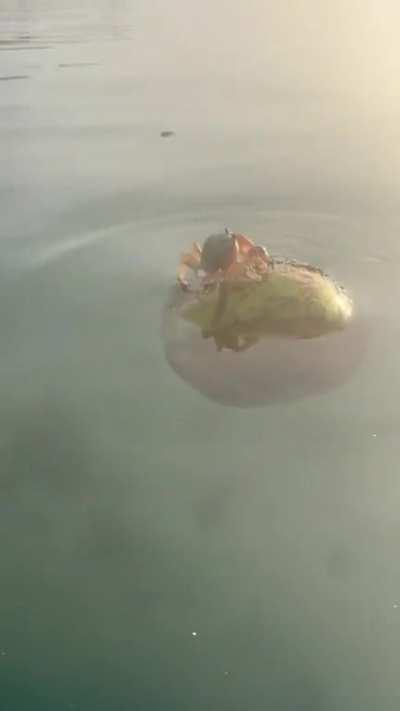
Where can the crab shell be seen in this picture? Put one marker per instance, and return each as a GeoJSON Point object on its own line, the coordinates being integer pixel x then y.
{"type": "Point", "coordinates": [219, 251]}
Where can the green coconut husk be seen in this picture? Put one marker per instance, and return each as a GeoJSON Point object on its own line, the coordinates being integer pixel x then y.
{"type": "Point", "coordinates": [292, 299]}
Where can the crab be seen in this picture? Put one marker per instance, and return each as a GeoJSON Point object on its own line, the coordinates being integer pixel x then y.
{"type": "Point", "coordinates": [228, 256]}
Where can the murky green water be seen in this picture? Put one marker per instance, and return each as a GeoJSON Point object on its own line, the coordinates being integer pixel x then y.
{"type": "Point", "coordinates": [161, 551]}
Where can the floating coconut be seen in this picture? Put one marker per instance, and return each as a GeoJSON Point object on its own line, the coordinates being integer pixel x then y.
{"type": "Point", "coordinates": [276, 334]}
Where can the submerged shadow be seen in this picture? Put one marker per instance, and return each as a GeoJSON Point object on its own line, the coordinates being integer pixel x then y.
{"type": "Point", "coordinates": [89, 583]}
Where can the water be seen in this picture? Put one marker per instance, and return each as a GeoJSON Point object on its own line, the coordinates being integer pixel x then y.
{"type": "Point", "coordinates": [135, 512]}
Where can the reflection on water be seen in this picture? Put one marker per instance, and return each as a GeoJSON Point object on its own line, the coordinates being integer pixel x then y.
{"type": "Point", "coordinates": [273, 370]}
{"type": "Point", "coordinates": [134, 510]}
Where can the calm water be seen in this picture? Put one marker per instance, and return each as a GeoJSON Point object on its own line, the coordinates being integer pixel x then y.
{"type": "Point", "coordinates": [162, 552]}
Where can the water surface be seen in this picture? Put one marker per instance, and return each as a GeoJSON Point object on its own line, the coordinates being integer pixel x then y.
{"type": "Point", "coordinates": [135, 512]}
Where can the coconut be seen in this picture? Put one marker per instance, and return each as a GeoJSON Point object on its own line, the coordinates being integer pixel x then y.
{"type": "Point", "coordinates": [290, 334]}
{"type": "Point", "coordinates": [290, 299]}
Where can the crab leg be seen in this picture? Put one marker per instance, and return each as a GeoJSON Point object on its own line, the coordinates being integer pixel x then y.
{"type": "Point", "coordinates": [244, 244]}
{"type": "Point", "coordinates": [247, 248]}
{"type": "Point", "coordinates": [190, 261]}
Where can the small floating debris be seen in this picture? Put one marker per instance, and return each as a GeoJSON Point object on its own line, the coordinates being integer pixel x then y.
{"type": "Point", "coordinates": [194, 634]}
{"type": "Point", "coordinates": [167, 134]}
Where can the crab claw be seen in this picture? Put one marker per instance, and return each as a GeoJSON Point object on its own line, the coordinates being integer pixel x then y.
{"type": "Point", "coordinates": [182, 281]}
{"type": "Point", "coordinates": [192, 259]}
{"type": "Point", "coordinates": [189, 261]}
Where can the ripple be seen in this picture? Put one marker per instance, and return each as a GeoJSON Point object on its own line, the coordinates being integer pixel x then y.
{"type": "Point", "coordinates": [67, 65]}
{"type": "Point", "coordinates": [21, 31]}
{"type": "Point", "coordinates": [14, 77]}
{"type": "Point", "coordinates": [16, 46]}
